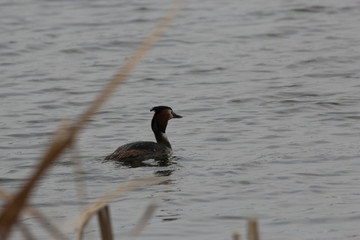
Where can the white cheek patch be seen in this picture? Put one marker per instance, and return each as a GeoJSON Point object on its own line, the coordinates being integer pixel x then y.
{"type": "Point", "coordinates": [171, 115]}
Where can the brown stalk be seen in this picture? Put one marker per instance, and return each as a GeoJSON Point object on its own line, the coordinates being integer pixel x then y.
{"type": "Point", "coordinates": [9, 215]}
{"type": "Point", "coordinates": [105, 223]}
{"type": "Point", "coordinates": [236, 236]}
{"type": "Point", "coordinates": [39, 216]}
{"type": "Point", "coordinates": [81, 221]}
{"type": "Point", "coordinates": [253, 233]}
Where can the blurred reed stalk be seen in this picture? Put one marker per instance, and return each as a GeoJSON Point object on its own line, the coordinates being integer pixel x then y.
{"type": "Point", "coordinates": [82, 220]}
{"type": "Point", "coordinates": [66, 133]}
{"type": "Point", "coordinates": [253, 233]}
{"type": "Point", "coordinates": [236, 236]}
{"type": "Point", "coordinates": [105, 223]}
{"type": "Point", "coordinates": [40, 217]}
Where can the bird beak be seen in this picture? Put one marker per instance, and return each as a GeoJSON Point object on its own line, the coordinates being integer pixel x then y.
{"type": "Point", "coordinates": [174, 115]}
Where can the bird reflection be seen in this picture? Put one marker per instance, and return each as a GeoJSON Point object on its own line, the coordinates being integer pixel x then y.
{"type": "Point", "coordinates": [157, 162]}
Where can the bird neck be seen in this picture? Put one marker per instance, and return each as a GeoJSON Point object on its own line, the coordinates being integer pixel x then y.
{"type": "Point", "coordinates": [159, 132]}
{"type": "Point", "coordinates": [161, 138]}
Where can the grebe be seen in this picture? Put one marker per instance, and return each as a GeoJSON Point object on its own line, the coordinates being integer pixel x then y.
{"type": "Point", "coordinates": [147, 150]}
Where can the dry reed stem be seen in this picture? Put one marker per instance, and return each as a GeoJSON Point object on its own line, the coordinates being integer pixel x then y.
{"type": "Point", "coordinates": [253, 233]}
{"type": "Point", "coordinates": [23, 228]}
{"type": "Point", "coordinates": [105, 223]}
{"type": "Point", "coordinates": [139, 227]}
{"type": "Point", "coordinates": [81, 221]}
{"type": "Point", "coordinates": [39, 216]}
{"type": "Point", "coordinates": [9, 215]}
{"type": "Point", "coordinates": [236, 236]}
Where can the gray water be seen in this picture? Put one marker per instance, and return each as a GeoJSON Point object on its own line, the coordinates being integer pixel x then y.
{"type": "Point", "coordinates": [269, 91]}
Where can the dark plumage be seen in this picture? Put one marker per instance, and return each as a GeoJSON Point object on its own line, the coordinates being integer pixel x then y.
{"type": "Point", "coordinates": [144, 149]}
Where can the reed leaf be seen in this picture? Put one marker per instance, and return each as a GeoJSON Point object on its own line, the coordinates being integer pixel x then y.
{"type": "Point", "coordinates": [83, 218]}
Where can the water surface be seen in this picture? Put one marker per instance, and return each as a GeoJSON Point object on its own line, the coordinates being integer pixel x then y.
{"type": "Point", "coordinates": [269, 91]}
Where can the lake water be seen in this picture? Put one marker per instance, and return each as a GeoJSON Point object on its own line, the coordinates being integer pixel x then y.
{"type": "Point", "coordinates": [269, 92]}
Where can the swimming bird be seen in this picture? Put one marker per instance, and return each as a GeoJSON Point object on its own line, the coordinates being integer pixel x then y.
{"type": "Point", "coordinates": [143, 150]}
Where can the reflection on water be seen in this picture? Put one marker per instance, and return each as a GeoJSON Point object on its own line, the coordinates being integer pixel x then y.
{"type": "Point", "coordinates": [163, 173]}
{"type": "Point", "coordinates": [151, 163]}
